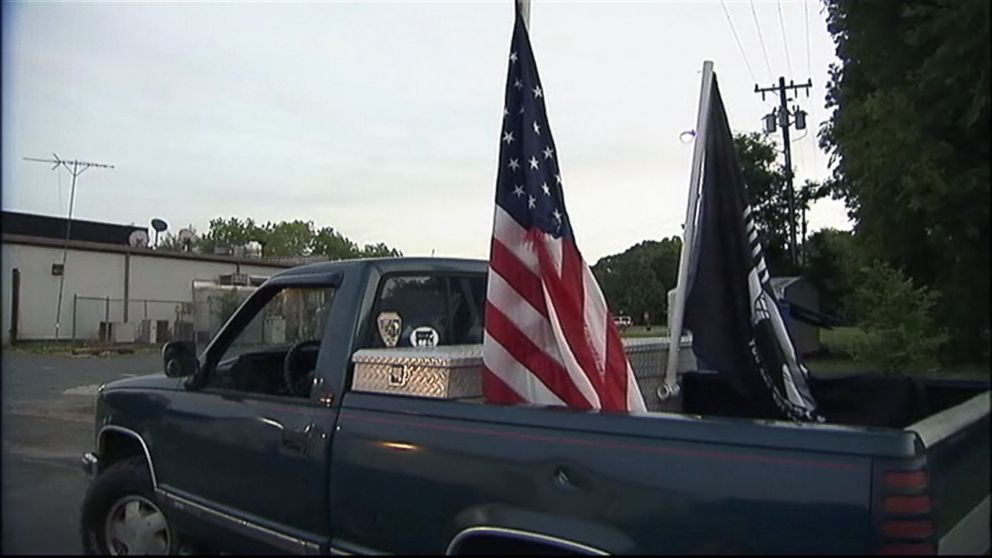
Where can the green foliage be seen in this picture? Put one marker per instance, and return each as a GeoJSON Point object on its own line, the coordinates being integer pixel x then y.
{"type": "Point", "coordinates": [285, 239]}
{"type": "Point", "coordinates": [831, 259]}
{"type": "Point", "coordinates": [172, 242]}
{"type": "Point", "coordinates": [336, 246]}
{"type": "Point", "coordinates": [379, 250]}
{"type": "Point", "coordinates": [896, 318]}
{"type": "Point", "coordinates": [638, 280]}
{"type": "Point", "coordinates": [767, 192]}
{"type": "Point", "coordinates": [228, 302]}
{"type": "Point", "coordinates": [910, 146]}
{"type": "Point", "coordinates": [767, 195]}
{"type": "Point", "coordinates": [225, 235]}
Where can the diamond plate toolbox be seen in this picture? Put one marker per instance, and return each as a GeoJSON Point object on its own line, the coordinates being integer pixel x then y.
{"type": "Point", "coordinates": [450, 372]}
{"type": "Point", "coordinates": [455, 372]}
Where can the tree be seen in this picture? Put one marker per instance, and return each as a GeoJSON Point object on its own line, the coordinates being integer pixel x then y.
{"type": "Point", "coordinates": [895, 317]}
{"type": "Point", "coordinates": [286, 239]}
{"type": "Point", "coordinates": [379, 250]}
{"type": "Point", "coordinates": [336, 246]}
{"type": "Point", "coordinates": [767, 192]}
{"type": "Point", "coordinates": [223, 236]}
{"type": "Point", "coordinates": [831, 259]}
{"type": "Point", "coordinates": [638, 280]}
{"type": "Point", "coordinates": [173, 243]}
{"type": "Point", "coordinates": [909, 146]}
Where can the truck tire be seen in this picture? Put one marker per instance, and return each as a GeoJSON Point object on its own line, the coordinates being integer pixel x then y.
{"type": "Point", "coordinates": [120, 505]}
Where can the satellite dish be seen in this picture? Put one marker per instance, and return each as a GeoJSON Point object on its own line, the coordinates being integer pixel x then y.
{"type": "Point", "coordinates": [138, 238]}
{"type": "Point", "coordinates": [159, 226]}
{"type": "Point", "coordinates": [186, 237]}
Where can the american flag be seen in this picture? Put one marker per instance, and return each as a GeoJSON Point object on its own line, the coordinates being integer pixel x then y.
{"type": "Point", "coordinates": [549, 337]}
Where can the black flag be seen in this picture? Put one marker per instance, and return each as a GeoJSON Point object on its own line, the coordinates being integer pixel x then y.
{"type": "Point", "coordinates": [731, 309]}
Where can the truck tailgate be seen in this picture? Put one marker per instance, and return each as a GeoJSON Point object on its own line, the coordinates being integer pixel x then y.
{"type": "Point", "coordinates": [956, 442]}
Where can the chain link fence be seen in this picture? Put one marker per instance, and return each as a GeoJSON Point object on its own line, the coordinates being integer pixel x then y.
{"type": "Point", "coordinates": [108, 320]}
{"type": "Point", "coordinates": [114, 320]}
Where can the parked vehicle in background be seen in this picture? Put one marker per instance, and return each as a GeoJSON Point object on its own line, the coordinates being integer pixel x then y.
{"type": "Point", "coordinates": [340, 410]}
{"type": "Point", "coordinates": [623, 322]}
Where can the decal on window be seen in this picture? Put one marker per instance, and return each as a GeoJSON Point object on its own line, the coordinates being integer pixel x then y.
{"type": "Point", "coordinates": [424, 336]}
{"type": "Point", "coordinates": [390, 325]}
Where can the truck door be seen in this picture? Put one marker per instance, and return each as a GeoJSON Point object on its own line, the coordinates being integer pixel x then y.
{"type": "Point", "coordinates": [246, 450]}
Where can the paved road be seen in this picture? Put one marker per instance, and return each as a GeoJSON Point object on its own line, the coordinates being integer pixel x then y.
{"type": "Point", "coordinates": [47, 425]}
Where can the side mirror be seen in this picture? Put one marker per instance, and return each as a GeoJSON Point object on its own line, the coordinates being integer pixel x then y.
{"type": "Point", "coordinates": [179, 359]}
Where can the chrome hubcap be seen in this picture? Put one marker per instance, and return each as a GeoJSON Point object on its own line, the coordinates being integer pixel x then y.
{"type": "Point", "coordinates": [136, 526]}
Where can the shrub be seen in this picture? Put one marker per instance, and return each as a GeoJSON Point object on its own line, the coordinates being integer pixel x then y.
{"type": "Point", "coordinates": [896, 319]}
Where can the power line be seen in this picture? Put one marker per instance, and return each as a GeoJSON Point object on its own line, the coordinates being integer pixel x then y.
{"type": "Point", "coordinates": [781, 24]}
{"type": "Point", "coordinates": [761, 38]}
{"type": "Point", "coordinates": [809, 72]}
{"type": "Point", "coordinates": [653, 223]}
{"type": "Point", "coordinates": [738, 39]}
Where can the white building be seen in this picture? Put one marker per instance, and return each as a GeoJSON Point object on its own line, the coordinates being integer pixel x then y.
{"type": "Point", "coordinates": [103, 282]}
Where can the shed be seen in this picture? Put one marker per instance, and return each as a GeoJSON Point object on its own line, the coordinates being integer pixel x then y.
{"type": "Point", "coordinates": [800, 291]}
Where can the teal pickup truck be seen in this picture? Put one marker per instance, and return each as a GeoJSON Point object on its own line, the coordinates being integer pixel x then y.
{"type": "Point", "coordinates": [339, 411]}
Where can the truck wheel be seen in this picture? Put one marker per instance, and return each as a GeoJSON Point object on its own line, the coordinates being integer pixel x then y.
{"type": "Point", "coordinates": [120, 514]}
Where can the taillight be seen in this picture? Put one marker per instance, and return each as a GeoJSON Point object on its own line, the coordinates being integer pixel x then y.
{"type": "Point", "coordinates": [905, 508]}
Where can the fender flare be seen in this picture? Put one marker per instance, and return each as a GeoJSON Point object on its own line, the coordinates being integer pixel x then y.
{"type": "Point", "coordinates": [128, 432]}
{"type": "Point", "coordinates": [531, 526]}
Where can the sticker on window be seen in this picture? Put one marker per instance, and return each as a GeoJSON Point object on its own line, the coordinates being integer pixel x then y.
{"type": "Point", "coordinates": [390, 325]}
{"type": "Point", "coordinates": [424, 336]}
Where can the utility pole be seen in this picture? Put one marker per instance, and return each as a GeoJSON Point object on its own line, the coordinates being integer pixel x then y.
{"type": "Point", "coordinates": [799, 120]}
{"type": "Point", "coordinates": [75, 168]}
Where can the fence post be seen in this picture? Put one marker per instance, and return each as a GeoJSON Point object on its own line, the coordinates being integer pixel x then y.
{"type": "Point", "coordinates": [146, 308]}
{"type": "Point", "coordinates": [15, 303]}
{"type": "Point", "coordinates": [75, 303]}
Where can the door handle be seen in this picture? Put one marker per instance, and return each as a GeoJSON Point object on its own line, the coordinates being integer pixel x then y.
{"type": "Point", "coordinates": [298, 440]}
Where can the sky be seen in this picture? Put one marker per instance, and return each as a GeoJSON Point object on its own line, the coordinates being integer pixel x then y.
{"type": "Point", "coordinates": [382, 119]}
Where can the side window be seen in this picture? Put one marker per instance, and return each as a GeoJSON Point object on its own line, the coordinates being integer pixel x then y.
{"type": "Point", "coordinates": [428, 310]}
{"type": "Point", "coordinates": [256, 360]}
{"type": "Point", "coordinates": [468, 299]}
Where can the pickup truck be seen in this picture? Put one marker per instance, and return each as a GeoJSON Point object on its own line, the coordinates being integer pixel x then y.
{"type": "Point", "coordinates": [262, 443]}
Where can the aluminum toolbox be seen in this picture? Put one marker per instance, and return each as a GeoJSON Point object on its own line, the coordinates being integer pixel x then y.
{"type": "Point", "coordinates": [648, 356]}
{"type": "Point", "coordinates": [449, 372]}
{"type": "Point", "coordinates": [454, 372]}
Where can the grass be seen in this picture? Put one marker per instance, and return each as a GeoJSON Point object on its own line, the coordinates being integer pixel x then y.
{"type": "Point", "coordinates": [71, 348]}
{"type": "Point", "coordinates": [645, 331]}
{"type": "Point", "coordinates": [835, 359]}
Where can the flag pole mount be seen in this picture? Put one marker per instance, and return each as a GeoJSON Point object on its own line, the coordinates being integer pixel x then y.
{"type": "Point", "coordinates": [670, 387]}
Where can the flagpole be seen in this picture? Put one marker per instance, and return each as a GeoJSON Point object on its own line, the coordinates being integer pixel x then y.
{"type": "Point", "coordinates": [670, 387]}
{"type": "Point", "coordinates": [525, 12]}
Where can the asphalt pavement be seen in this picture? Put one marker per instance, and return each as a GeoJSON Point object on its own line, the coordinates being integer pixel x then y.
{"type": "Point", "coordinates": [47, 426]}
